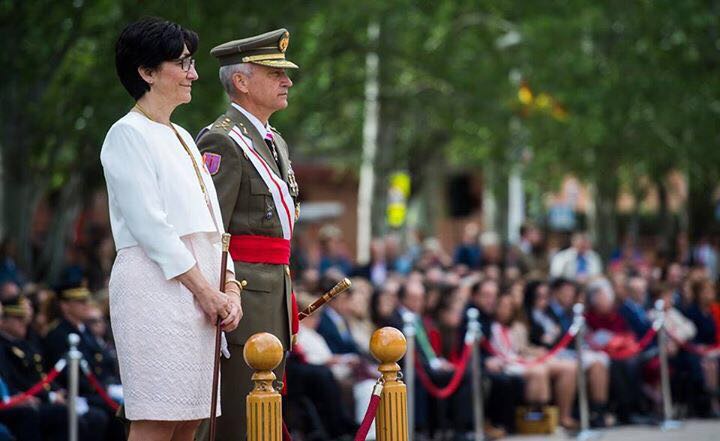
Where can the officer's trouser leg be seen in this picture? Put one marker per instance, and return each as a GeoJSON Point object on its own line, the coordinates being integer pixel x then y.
{"type": "Point", "coordinates": [236, 383]}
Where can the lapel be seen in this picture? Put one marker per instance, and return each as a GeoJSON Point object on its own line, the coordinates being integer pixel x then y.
{"type": "Point", "coordinates": [258, 143]}
{"type": "Point", "coordinates": [282, 156]}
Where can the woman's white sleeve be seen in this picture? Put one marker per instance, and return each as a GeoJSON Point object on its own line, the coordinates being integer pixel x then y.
{"type": "Point", "coordinates": [132, 187]}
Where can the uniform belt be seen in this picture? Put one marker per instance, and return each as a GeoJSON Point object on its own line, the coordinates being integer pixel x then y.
{"type": "Point", "coordinates": [260, 249]}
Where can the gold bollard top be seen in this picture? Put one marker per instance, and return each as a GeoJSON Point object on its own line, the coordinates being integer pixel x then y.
{"type": "Point", "coordinates": [263, 352]}
{"type": "Point", "coordinates": [388, 345]}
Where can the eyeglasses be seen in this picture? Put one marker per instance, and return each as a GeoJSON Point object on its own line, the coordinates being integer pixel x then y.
{"type": "Point", "coordinates": [186, 63]}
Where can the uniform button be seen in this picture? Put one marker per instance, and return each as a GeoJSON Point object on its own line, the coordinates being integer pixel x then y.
{"type": "Point", "coordinates": [268, 214]}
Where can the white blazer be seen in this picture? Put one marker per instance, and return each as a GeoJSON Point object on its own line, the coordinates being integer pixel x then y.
{"type": "Point", "coordinates": [153, 192]}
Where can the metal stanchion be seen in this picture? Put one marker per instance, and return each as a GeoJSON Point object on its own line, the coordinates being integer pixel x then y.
{"type": "Point", "coordinates": [579, 324]}
{"type": "Point", "coordinates": [473, 337]}
{"type": "Point", "coordinates": [668, 422]}
{"type": "Point", "coordinates": [409, 331]}
{"type": "Point", "coordinates": [74, 357]}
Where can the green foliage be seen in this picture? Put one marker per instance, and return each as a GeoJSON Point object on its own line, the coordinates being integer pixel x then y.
{"type": "Point", "coordinates": [638, 80]}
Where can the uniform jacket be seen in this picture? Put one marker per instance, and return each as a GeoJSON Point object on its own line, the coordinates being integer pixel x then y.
{"type": "Point", "coordinates": [99, 360]}
{"type": "Point", "coordinates": [21, 365]}
{"type": "Point", "coordinates": [247, 209]}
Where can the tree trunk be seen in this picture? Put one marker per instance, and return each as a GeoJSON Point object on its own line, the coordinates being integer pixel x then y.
{"type": "Point", "coordinates": [606, 204]}
{"type": "Point", "coordinates": [370, 131]}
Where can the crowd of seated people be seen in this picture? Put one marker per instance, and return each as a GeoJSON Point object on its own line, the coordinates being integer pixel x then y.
{"type": "Point", "coordinates": [35, 323]}
{"type": "Point", "coordinates": [524, 294]}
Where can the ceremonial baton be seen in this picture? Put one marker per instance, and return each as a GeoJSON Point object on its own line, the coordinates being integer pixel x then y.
{"type": "Point", "coordinates": [218, 334]}
{"type": "Point", "coordinates": [342, 285]}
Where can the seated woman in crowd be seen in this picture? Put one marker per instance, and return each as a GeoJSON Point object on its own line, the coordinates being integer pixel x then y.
{"type": "Point", "coordinates": [549, 322]}
{"type": "Point", "coordinates": [700, 312]}
{"type": "Point", "coordinates": [509, 337]}
{"type": "Point", "coordinates": [608, 330]}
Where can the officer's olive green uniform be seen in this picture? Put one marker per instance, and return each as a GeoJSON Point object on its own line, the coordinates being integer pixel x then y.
{"type": "Point", "coordinates": [248, 209]}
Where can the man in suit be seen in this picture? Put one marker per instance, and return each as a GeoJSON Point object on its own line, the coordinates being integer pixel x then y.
{"type": "Point", "coordinates": [257, 191]}
{"type": "Point", "coordinates": [579, 262]}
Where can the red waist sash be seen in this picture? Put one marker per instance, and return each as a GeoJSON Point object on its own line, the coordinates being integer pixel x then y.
{"type": "Point", "coordinates": [260, 249]}
{"type": "Point", "coordinates": [268, 250]}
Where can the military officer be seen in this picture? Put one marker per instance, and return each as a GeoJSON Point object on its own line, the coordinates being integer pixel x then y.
{"type": "Point", "coordinates": [256, 187]}
{"type": "Point", "coordinates": [21, 367]}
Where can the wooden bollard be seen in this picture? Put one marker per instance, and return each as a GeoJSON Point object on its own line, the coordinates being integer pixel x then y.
{"type": "Point", "coordinates": [388, 346]}
{"type": "Point", "coordinates": [263, 352]}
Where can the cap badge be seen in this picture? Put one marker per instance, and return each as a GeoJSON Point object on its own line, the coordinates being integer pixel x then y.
{"type": "Point", "coordinates": [284, 41]}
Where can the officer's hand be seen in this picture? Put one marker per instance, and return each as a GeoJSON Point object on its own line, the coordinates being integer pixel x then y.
{"type": "Point", "coordinates": [230, 322]}
{"type": "Point", "coordinates": [215, 305]}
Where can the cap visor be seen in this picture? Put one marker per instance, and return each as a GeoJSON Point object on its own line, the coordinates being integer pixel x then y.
{"type": "Point", "coordinates": [283, 64]}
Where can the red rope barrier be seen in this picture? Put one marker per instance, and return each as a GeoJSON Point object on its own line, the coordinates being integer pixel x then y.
{"type": "Point", "coordinates": [34, 390]}
{"type": "Point", "coordinates": [285, 432]}
{"type": "Point", "coordinates": [455, 381]}
{"type": "Point", "coordinates": [367, 421]}
{"type": "Point", "coordinates": [642, 344]}
{"type": "Point", "coordinates": [95, 383]}
{"type": "Point", "coordinates": [562, 344]}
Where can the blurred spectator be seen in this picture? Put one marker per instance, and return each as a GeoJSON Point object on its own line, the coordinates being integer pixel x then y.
{"type": "Point", "coordinates": [398, 261]}
{"type": "Point", "coordinates": [564, 295]}
{"type": "Point", "coordinates": [334, 326]}
{"type": "Point", "coordinates": [579, 262]}
{"type": "Point", "coordinates": [468, 252]}
{"type": "Point", "coordinates": [609, 332]}
{"type": "Point", "coordinates": [706, 255]}
{"type": "Point", "coordinates": [509, 336]}
{"type": "Point", "coordinates": [9, 290]}
{"type": "Point", "coordinates": [384, 303]}
{"type": "Point", "coordinates": [332, 251]}
{"type": "Point", "coordinates": [532, 256]}
{"type": "Point", "coordinates": [9, 272]}
{"type": "Point", "coordinates": [700, 313]}
{"type": "Point", "coordinates": [21, 367]}
{"type": "Point", "coordinates": [633, 308]}
{"type": "Point", "coordinates": [315, 373]}
{"type": "Point", "coordinates": [491, 249]}
{"type": "Point", "coordinates": [377, 269]}
{"type": "Point", "coordinates": [506, 391]}
{"type": "Point", "coordinates": [359, 321]}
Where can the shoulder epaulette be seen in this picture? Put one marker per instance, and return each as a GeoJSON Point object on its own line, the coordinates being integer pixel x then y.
{"type": "Point", "coordinates": [223, 124]}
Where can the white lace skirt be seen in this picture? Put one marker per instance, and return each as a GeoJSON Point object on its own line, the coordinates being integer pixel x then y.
{"type": "Point", "coordinates": [164, 342]}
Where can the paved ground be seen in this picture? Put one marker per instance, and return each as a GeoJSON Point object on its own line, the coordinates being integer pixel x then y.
{"type": "Point", "coordinates": [692, 430]}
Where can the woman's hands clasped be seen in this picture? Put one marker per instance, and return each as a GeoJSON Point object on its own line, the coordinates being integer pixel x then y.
{"type": "Point", "coordinates": [235, 312]}
{"type": "Point", "coordinates": [223, 306]}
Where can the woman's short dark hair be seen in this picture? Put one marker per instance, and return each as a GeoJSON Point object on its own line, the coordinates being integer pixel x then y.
{"type": "Point", "coordinates": [147, 43]}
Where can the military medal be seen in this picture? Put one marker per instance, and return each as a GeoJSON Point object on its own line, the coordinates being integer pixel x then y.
{"type": "Point", "coordinates": [291, 178]}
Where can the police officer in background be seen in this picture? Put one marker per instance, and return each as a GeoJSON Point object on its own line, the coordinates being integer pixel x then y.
{"type": "Point", "coordinates": [44, 416]}
{"type": "Point", "coordinates": [257, 191]}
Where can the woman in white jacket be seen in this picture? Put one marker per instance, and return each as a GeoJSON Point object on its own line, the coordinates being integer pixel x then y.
{"type": "Point", "coordinates": [166, 223]}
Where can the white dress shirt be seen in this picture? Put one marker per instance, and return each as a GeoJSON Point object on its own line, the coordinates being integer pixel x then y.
{"type": "Point", "coordinates": [253, 119]}
{"type": "Point", "coordinates": [153, 192]}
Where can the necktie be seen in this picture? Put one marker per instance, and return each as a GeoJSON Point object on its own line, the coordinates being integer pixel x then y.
{"type": "Point", "coordinates": [582, 265]}
{"type": "Point", "coordinates": [271, 145]}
